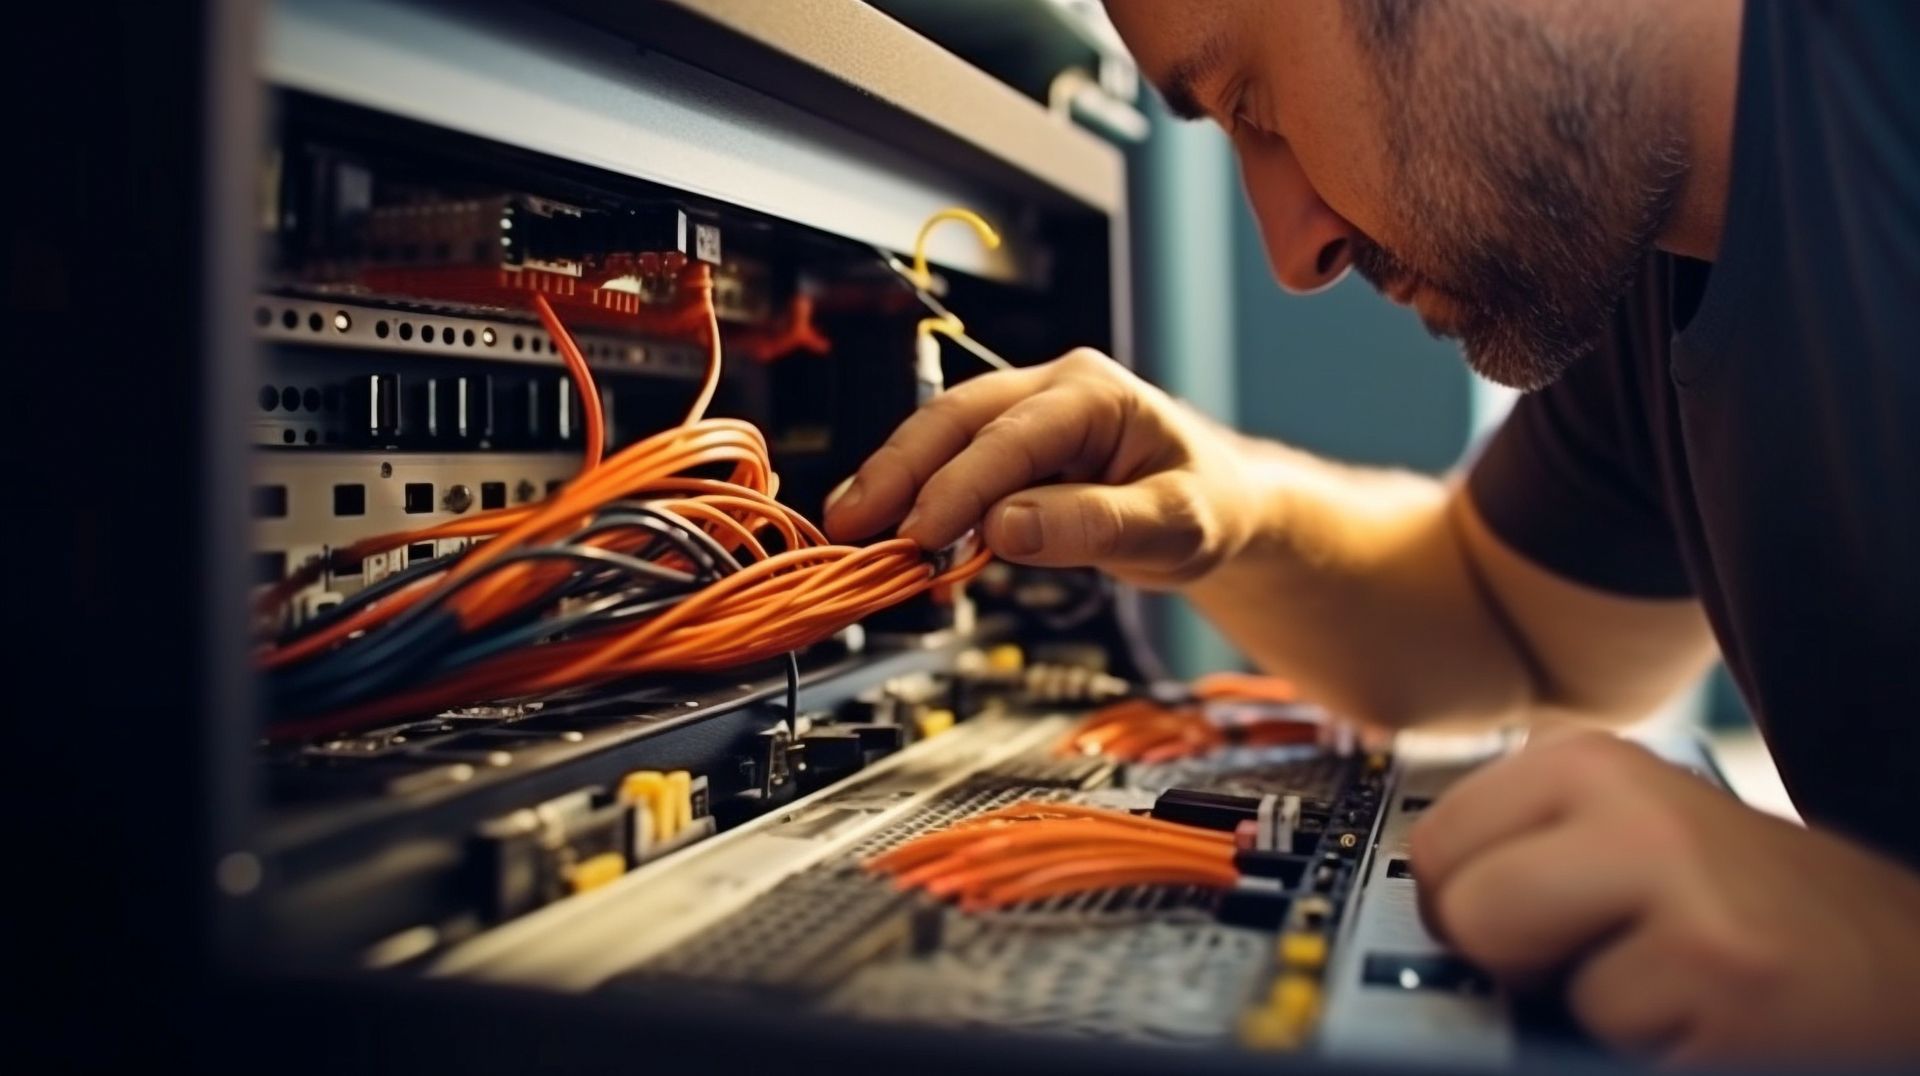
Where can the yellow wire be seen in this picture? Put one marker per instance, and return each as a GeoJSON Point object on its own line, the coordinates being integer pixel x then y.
{"type": "Point", "coordinates": [922, 276]}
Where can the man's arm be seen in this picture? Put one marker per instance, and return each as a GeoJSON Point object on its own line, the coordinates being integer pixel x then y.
{"type": "Point", "coordinates": [1381, 592]}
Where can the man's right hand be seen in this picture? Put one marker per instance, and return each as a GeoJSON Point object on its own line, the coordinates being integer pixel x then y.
{"type": "Point", "coordinates": [1077, 462]}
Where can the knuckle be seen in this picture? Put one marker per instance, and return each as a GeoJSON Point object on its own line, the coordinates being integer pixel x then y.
{"type": "Point", "coordinates": [1586, 762]}
{"type": "Point", "coordinates": [953, 494]}
{"type": "Point", "coordinates": [1101, 527]}
{"type": "Point", "coordinates": [887, 461]}
{"type": "Point", "coordinates": [1188, 528]}
{"type": "Point", "coordinates": [1082, 360]}
{"type": "Point", "coordinates": [944, 411]}
{"type": "Point", "coordinates": [1741, 963]}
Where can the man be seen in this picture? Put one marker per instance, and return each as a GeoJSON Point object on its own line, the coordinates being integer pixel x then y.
{"type": "Point", "coordinates": [1692, 231]}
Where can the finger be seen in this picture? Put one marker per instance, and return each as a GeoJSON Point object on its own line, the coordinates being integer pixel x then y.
{"type": "Point", "coordinates": [1504, 799]}
{"type": "Point", "coordinates": [1534, 904]}
{"type": "Point", "coordinates": [1630, 994]}
{"type": "Point", "coordinates": [884, 487]}
{"type": "Point", "coordinates": [1139, 526]}
{"type": "Point", "coordinates": [1070, 428]}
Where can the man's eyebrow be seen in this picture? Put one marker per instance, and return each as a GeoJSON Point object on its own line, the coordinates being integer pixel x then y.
{"type": "Point", "coordinates": [1178, 90]}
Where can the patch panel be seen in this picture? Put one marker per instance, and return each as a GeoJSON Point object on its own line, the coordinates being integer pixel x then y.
{"type": "Point", "coordinates": [328, 500]}
{"type": "Point", "coordinates": [426, 330]}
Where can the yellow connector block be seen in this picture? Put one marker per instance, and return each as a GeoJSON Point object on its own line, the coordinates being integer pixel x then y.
{"type": "Point", "coordinates": [596, 872]}
{"type": "Point", "coordinates": [934, 722]}
{"type": "Point", "coordinates": [679, 801]}
{"type": "Point", "coordinates": [648, 787]}
{"type": "Point", "coordinates": [1006, 658]}
{"type": "Point", "coordinates": [1303, 951]}
{"type": "Point", "coordinates": [1288, 1018]}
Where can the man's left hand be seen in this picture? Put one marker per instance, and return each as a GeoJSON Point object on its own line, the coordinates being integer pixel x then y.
{"type": "Point", "coordinates": [1683, 924]}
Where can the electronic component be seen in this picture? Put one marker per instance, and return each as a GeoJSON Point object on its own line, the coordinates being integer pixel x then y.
{"type": "Point", "coordinates": [585, 839]}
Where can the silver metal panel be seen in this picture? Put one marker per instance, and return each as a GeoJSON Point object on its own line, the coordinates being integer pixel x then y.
{"type": "Point", "coordinates": [420, 330]}
{"type": "Point", "coordinates": [539, 81]}
{"type": "Point", "coordinates": [585, 940]}
{"type": "Point", "coordinates": [1391, 1021]}
{"type": "Point", "coordinates": [859, 45]}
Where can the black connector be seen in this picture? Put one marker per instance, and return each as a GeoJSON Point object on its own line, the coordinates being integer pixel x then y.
{"type": "Point", "coordinates": [377, 419]}
{"type": "Point", "coordinates": [1290, 870]}
{"type": "Point", "coordinates": [1208, 810]}
{"type": "Point", "coordinates": [1258, 909]}
{"type": "Point", "coordinates": [459, 410]}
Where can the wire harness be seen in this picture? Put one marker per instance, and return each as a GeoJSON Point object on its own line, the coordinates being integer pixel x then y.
{"type": "Point", "coordinates": [1031, 851]}
{"type": "Point", "coordinates": [644, 563]}
{"type": "Point", "coordinates": [1217, 711]}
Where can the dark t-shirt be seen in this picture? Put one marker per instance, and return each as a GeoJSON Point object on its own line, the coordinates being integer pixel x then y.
{"type": "Point", "coordinates": [1749, 431]}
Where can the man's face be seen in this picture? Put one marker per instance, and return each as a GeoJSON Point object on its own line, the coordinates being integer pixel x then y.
{"type": "Point", "coordinates": [1498, 165]}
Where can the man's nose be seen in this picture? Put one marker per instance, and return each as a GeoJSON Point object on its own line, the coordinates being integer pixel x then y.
{"type": "Point", "coordinates": [1309, 246]}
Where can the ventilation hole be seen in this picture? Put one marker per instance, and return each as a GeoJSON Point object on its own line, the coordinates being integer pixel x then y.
{"type": "Point", "coordinates": [310, 399]}
{"type": "Point", "coordinates": [313, 437]}
{"type": "Point", "coordinates": [519, 342]}
{"type": "Point", "coordinates": [406, 330]}
{"type": "Point", "coordinates": [533, 345]}
{"type": "Point", "coordinates": [426, 334]}
{"type": "Point", "coordinates": [419, 498]}
{"type": "Point", "coordinates": [262, 316]}
{"type": "Point", "coordinates": [419, 551]}
{"type": "Point", "coordinates": [290, 319]}
{"type": "Point", "coordinates": [380, 328]}
{"type": "Point", "coordinates": [467, 338]}
{"type": "Point", "coordinates": [554, 484]}
{"type": "Point", "coordinates": [315, 322]}
{"type": "Point", "coordinates": [269, 397]}
{"type": "Point", "coordinates": [493, 494]}
{"type": "Point", "coordinates": [350, 499]}
{"type": "Point", "coordinates": [288, 437]}
{"type": "Point", "coordinates": [290, 399]}
{"type": "Point", "coordinates": [447, 337]}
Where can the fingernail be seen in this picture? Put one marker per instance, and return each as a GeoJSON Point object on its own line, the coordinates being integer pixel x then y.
{"type": "Point", "coordinates": [907, 523]}
{"type": "Point", "coordinates": [1019, 530]}
{"type": "Point", "coordinates": [845, 495]}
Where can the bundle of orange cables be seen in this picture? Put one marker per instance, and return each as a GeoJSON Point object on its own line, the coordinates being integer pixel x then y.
{"type": "Point", "coordinates": [1031, 851]}
{"type": "Point", "coordinates": [638, 566]}
{"type": "Point", "coordinates": [1221, 710]}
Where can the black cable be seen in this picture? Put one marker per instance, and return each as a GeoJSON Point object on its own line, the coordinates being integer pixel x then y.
{"type": "Point", "coordinates": [680, 523]}
{"type": "Point", "coordinates": [793, 691]}
{"type": "Point", "coordinates": [369, 593]}
{"type": "Point", "coordinates": [672, 536]}
{"type": "Point", "coordinates": [400, 646]}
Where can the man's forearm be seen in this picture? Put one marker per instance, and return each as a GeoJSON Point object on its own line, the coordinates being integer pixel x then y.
{"type": "Point", "coordinates": [1356, 584]}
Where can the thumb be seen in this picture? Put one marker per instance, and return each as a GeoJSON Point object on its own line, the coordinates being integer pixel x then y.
{"type": "Point", "coordinates": [1146, 528]}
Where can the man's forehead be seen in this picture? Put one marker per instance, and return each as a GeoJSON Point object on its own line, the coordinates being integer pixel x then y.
{"type": "Point", "coordinates": [1165, 33]}
{"type": "Point", "coordinates": [1180, 46]}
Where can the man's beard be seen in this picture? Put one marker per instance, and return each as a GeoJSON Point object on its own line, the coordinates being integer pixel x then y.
{"type": "Point", "coordinates": [1530, 180]}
